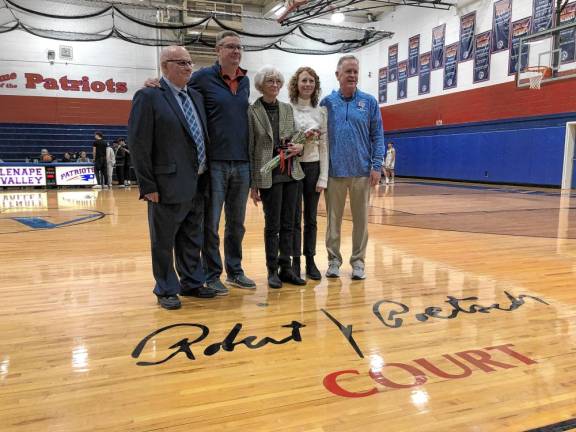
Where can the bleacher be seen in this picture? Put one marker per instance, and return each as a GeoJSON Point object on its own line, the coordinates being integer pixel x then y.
{"type": "Point", "coordinates": [20, 141]}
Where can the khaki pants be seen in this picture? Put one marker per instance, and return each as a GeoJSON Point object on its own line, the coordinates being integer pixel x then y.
{"type": "Point", "coordinates": [335, 194]}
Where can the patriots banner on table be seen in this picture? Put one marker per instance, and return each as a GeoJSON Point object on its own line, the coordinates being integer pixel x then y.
{"type": "Point", "coordinates": [424, 74]}
{"type": "Point", "coordinates": [451, 66]}
{"type": "Point", "coordinates": [437, 51]}
{"type": "Point", "coordinates": [501, 25]}
{"type": "Point", "coordinates": [568, 36]}
{"type": "Point", "coordinates": [520, 29]}
{"type": "Point", "coordinates": [482, 57]}
{"type": "Point", "coordinates": [403, 79]}
{"type": "Point", "coordinates": [392, 63]}
{"type": "Point", "coordinates": [413, 55]}
{"type": "Point", "coordinates": [382, 85]}
{"type": "Point", "coordinates": [467, 30]}
{"type": "Point", "coordinates": [542, 15]}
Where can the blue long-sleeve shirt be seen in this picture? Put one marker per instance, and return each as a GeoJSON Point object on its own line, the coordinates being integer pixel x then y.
{"type": "Point", "coordinates": [355, 134]}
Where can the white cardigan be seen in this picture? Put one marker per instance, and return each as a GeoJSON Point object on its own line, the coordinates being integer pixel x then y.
{"type": "Point", "coordinates": [308, 117]}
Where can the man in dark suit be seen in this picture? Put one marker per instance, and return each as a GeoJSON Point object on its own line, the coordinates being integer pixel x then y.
{"type": "Point", "coordinates": [167, 136]}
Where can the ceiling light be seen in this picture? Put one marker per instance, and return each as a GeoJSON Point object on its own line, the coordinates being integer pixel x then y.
{"type": "Point", "coordinates": [337, 17]}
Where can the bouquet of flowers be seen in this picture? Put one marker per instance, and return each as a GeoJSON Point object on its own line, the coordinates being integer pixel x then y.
{"type": "Point", "coordinates": [300, 137]}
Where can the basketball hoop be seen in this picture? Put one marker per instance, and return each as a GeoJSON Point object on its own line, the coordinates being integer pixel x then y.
{"type": "Point", "coordinates": [540, 72]}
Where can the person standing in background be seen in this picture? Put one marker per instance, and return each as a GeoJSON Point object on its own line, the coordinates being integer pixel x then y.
{"type": "Point", "coordinates": [389, 163]}
{"type": "Point", "coordinates": [110, 162]}
{"type": "Point", "coordinates": [99, 156]}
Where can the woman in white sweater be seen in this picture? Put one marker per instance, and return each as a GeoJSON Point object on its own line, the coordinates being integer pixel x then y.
{"type": "Point", "coordinates": [304, 91]}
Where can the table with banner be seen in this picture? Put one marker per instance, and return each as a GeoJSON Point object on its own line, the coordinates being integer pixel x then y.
{"type": "Point", "coordinates": [22, 174]}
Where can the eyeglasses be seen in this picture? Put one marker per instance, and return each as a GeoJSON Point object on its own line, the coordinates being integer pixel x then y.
{"type": "Point", "coordinates": [233, 47]}
{"type": "Point", "coordinates": [182, 63]}
{"type": "Point", "coordinates": [272, 81]}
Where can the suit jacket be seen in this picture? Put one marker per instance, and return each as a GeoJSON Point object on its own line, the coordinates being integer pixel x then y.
{"type": "Point", "coordinates": [261, 142]}
{"type": "Point", "coordinates": [163, 151]}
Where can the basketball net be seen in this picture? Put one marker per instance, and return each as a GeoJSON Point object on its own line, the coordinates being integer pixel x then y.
{"type": "Point", "coordinates": [541, 72]}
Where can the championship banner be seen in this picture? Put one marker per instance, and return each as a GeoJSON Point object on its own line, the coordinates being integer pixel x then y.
{"type": "Point", "coordinates": [568, 36]}
{"type": "Point", "coordinates": [413, 55]}
{"type": "Point", "coordinates": [75, 175]}
{"type": "Point", "coordinates": [393, 63]}
{"type": "Point", "coordinates": [501, 25]}
{"type": "Point", "coordinates": [451, 66]}
{"type": "Point", "coordinates": [403, 79]}
{"type": "Point", "coordinates": [23, 175]}
{"type": "Point", "coordinates": [437, 51]}
{"type": "Point", "coordinates": [482, 57]}
{"type": "Point", "coordinates": [467, 29]}
{"type": "Point", "coordinates": [520, 29]}
{"type": "Point", "coordinates": [542, 15]}
{"type": "Point", "coordinates": [383, 85]}
{"type": "Point", "coordinates": [424, 74]}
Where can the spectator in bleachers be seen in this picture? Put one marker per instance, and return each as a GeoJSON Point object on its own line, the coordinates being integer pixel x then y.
{"type": "Point", "coordinates": [74, 156]}
{"type": "Point", "coordinates": [100, 164]}
{"type": "Point", "coordinates": [67, 158]}
{"type": "Point", "coordinates": [46, 157]}
{"type": "Point", "coordinates": [83, 158]}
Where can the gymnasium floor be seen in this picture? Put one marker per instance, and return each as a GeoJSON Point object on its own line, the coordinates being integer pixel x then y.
{"type": "Point", "coordinates": [466, 322]}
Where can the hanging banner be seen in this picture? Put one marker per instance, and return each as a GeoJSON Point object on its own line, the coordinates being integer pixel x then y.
{"type": "Point", "coordinates": [568, 36]}
{"type": "Point", "coordinates": [467, 29]}
{"type": "Point", "coordinates": [542, 15]}
{"type": "Point", "coordinates": [520, 29]}
{"type": "Point", "coordinates": [382, 85]}
{"type": "Point", "coordinates": [451, 66]}
{"type": "Point", "coordinates": [413, 55]}
{"type": "Point", "coordinates": [501, 25]}
{"type": "Point", "coordinates": [424, 74]}
{"type": "Point", "coordinates": [482, 57]}
{"type": "Point", "coordinates": [437, 51]}
{"type": "Point", "coordinates": [393, 63]}
{"type": "Point", "coordinates": [403, 79]}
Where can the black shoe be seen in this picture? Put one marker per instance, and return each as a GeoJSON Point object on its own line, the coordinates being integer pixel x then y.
{"type": "Point", "coordinates": [287, 275]}
{"type": "Point", "coordinates": [296, 265]}
{"type": "Point", "coordinates": [273, 279]}
{"type": "Point", "coordinates": [201, 292]}
{"type": "Point", "coordinates": [169, 302]}
{"type": "Point", "coordinates": [311, 270]}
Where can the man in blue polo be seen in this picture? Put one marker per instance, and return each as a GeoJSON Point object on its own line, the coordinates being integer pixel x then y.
{"type": "Point", "coordinates": [356, 141]}
{"type": "Point", "coordinates": [226, 88]}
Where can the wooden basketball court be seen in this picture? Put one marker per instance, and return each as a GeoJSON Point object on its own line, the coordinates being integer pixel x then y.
{"type": "Point", "coordinates": [466, 322]}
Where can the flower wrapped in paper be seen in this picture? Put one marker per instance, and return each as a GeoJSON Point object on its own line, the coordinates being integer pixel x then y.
{"type": "Point", "coordinates": [282, 159]}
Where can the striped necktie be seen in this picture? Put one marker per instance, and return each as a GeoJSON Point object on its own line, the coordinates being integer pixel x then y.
{"type": "Point", "coordinates": [194, 126]}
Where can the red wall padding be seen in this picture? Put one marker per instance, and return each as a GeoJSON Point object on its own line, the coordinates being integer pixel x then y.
{"type": "Point", "coordinates": [500, 101]}
{"type": "Point", "coordinates": [34, 109]}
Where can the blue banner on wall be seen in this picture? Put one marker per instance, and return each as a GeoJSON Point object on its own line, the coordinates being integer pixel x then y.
{"type": "Point", "coordinates": [501, 25]}
{"type": "Point", "coordinates": [451, 66]}
{"type": "Point", "coordinates": [568, 36]}
{"type": "Point", "coordinates": [542, 15]}
{"type": "Point", "coordinates": [383, 85]}
{"type": "Point", "coordinates": [520, 29]}
{"type": "Point", "coordinates": [413, 55]}
{"type": "Point", "coordinates": [403, 79]}
{"type": "Point", "coordinates": [424, 74]}
{"type": "Point", "coordinates": [467, 29]}
{"type": "Point", "coordinates": [482, 57]}
{"type": "Point", "coordinates": [437, 51]}
{"type": "Point", "coordinates": [393, 63]}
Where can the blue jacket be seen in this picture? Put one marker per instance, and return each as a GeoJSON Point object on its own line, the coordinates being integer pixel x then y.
{"type": "Point", "coordinates": [227, 114]}
{"type": "Point", "coordinates": [355, 134]}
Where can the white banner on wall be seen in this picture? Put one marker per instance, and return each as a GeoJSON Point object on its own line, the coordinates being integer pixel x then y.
{"type": "Point", "coordinates": [22, 176]}
{"type": "Point", "coordinates": [75, 175]}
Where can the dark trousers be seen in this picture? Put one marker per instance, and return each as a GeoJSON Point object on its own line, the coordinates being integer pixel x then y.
{"type": "Point", "coordinates": [229, 187]}
{"type": "Point", "coordinates": [101, 171]}
{"type": "Point", "coordinates": [120, 175]}
{"type": "Point", "coordinates": [307, 194]}
{"type": "Point", "coordinates": [176, 230]}
{"type": "Point", "coordinates": [279, 203]}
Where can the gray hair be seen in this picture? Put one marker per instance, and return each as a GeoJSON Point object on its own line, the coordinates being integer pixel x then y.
{"type": "Point", "coordinates": [225, 34]}
{"type": "Point", "coordinates": [346, 57]}
{"type": "Point", "coordinates": [267, 71]}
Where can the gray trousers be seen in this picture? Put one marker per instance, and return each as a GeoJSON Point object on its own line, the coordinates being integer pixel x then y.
{"type": "Point", "coordinates": [359, 190]}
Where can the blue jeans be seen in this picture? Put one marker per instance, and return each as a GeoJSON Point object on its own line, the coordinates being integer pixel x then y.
{"type": "Point", "coordinates": [229, 187]}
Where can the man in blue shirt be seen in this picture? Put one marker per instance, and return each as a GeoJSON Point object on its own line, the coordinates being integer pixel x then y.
{"type": "Point", "coordinates": [356, 141]}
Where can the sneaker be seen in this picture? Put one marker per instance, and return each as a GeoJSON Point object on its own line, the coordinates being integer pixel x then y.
{"type": "Point", "coordinates": [391, 181]}
{"type": "Point", "coordinates": [241, 281]}
{"type": "Point", "coordinates": [387, 181]}
{"type": "Point", "coordinates": [273, 279]}
{"type": "Point", "coordinates": [358, 272]}
{"type": "Point", "coordinates": [219, 287]}
{"type": "Point", "coordinates": [169, 302]}
{"type": "Point", "coordinates": [96, 186]}
{"type": "Point", "coordinates": [200, 292]}
{"type": "Point", "coordinates": [333, 270]}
